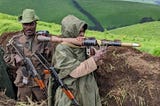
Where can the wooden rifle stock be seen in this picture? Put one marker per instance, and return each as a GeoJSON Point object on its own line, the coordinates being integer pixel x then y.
{"type": "Point", "coordinates": [29, 66]}
{"type": "Point", "coordinates": [52, 71]}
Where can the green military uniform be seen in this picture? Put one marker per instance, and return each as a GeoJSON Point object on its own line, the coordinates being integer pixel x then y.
{"type": "Point", "coordinates": [67, 58]}
{"type": "Point", "coordinates": [5, 82]}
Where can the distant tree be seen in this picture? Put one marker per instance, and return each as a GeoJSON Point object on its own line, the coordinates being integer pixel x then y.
{"type": "Point", "coordinates": [110, 27]}
{"type": "Point", "coordinates": [146, 19]}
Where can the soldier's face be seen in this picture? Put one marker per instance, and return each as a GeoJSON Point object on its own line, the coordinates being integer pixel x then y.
{"type": "Point", "coordinates": [29, 29]}
{"type": "Point", "coordinates": [81, 33]}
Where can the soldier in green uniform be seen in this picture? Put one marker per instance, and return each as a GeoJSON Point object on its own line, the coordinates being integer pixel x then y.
{"type": "Point", "coordinates": [75, 68]}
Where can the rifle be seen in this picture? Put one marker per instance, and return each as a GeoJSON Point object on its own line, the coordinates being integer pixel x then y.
{"type": "Point", "coordinates": [51, 70]}
{"type": "Point", "coordinates": [28, 66]}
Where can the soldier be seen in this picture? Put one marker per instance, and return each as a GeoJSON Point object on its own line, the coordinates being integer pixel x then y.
{"type": "Point", "coordinates": [75, 69]}
{"type": "Point", "coordinates": [28, 43]}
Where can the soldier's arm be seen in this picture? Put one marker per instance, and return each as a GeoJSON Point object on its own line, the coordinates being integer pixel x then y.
{"type": "Point", "coordinates": [11, 58]}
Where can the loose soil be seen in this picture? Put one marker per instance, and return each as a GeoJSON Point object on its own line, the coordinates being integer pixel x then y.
{"type": "Point", "coordinates": [127, 77]}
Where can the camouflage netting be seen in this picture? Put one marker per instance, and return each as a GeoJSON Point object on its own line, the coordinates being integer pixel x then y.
{"type": "Point", "coordinates": [128, 77]}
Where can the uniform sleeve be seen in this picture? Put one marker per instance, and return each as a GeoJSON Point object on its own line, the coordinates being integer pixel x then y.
{"type": "Point", "coordinates": [65, 60]}
{"type": "Point", "coordinates": [11, 58]}
{"type": "Point", "coordinates": [84, 68]}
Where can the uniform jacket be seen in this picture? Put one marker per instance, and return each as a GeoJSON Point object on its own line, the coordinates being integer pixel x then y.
{"type": "Point", "coordinates": [28, 45]}
{"type": "Point", "coordinates": [66, 59]}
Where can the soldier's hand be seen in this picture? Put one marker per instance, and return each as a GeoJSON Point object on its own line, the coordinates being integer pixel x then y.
{"type": "Point", "coordinates": [100, 54]}
{"type": "Point", "coordinates": [19, 60]}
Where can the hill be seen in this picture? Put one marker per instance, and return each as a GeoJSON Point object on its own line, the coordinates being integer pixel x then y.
{"type": "Point", "coordinates": [109, 14]}
{"type": "Point", "coordinates": [112, 14]}
{"type": "Point", "coordinates": [48, 10]}
{"type": "Point", "coordinates": [146, 34]}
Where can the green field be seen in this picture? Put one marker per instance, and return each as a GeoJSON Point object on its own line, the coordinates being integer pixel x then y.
{"type": "Point", "coordinates": [114, 13]}
{"type": "Point", "coordinates": [147, 34]}
{"type": "Point", "coordinates": [110, 13]}
{"type": "Point", "coordinates": [47, 10]}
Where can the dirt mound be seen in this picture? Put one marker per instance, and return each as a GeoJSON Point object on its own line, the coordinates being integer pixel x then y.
{"type": "Point", "coordinates": [128, 77]}
{"type": "Point", "coordinates": [5, 37]}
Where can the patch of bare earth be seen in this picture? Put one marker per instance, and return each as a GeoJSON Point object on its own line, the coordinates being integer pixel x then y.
{"type": "Point", "coordinates": [129, 77]}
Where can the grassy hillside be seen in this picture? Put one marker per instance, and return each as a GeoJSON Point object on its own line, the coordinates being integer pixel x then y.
{"type": "Point", "coordinates": [110, 13]}
{"type": "Point", "coordinates": [9, 23]}
{"type": "Point", "coordinates": [113, 13]}
{"type": "Point", "coordinates": [146, 34]}
{"type": "Point", "coordinates": [47, 10]}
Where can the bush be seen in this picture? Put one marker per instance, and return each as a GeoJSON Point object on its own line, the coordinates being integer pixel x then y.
{"type": "Point", "coordinates": [146, 19]}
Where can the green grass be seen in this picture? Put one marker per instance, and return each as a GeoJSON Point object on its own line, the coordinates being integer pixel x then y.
{"type": "Point", "coordinates": [9, 23]}
{"type": "Point", "coordinates": [114, 13]}
{"type": "Point", "coordinates": [110, 13]}
{"type": "Point", "coordinates": [147, 34]}
{"type": "Point", "coordinates": [47, 10]}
